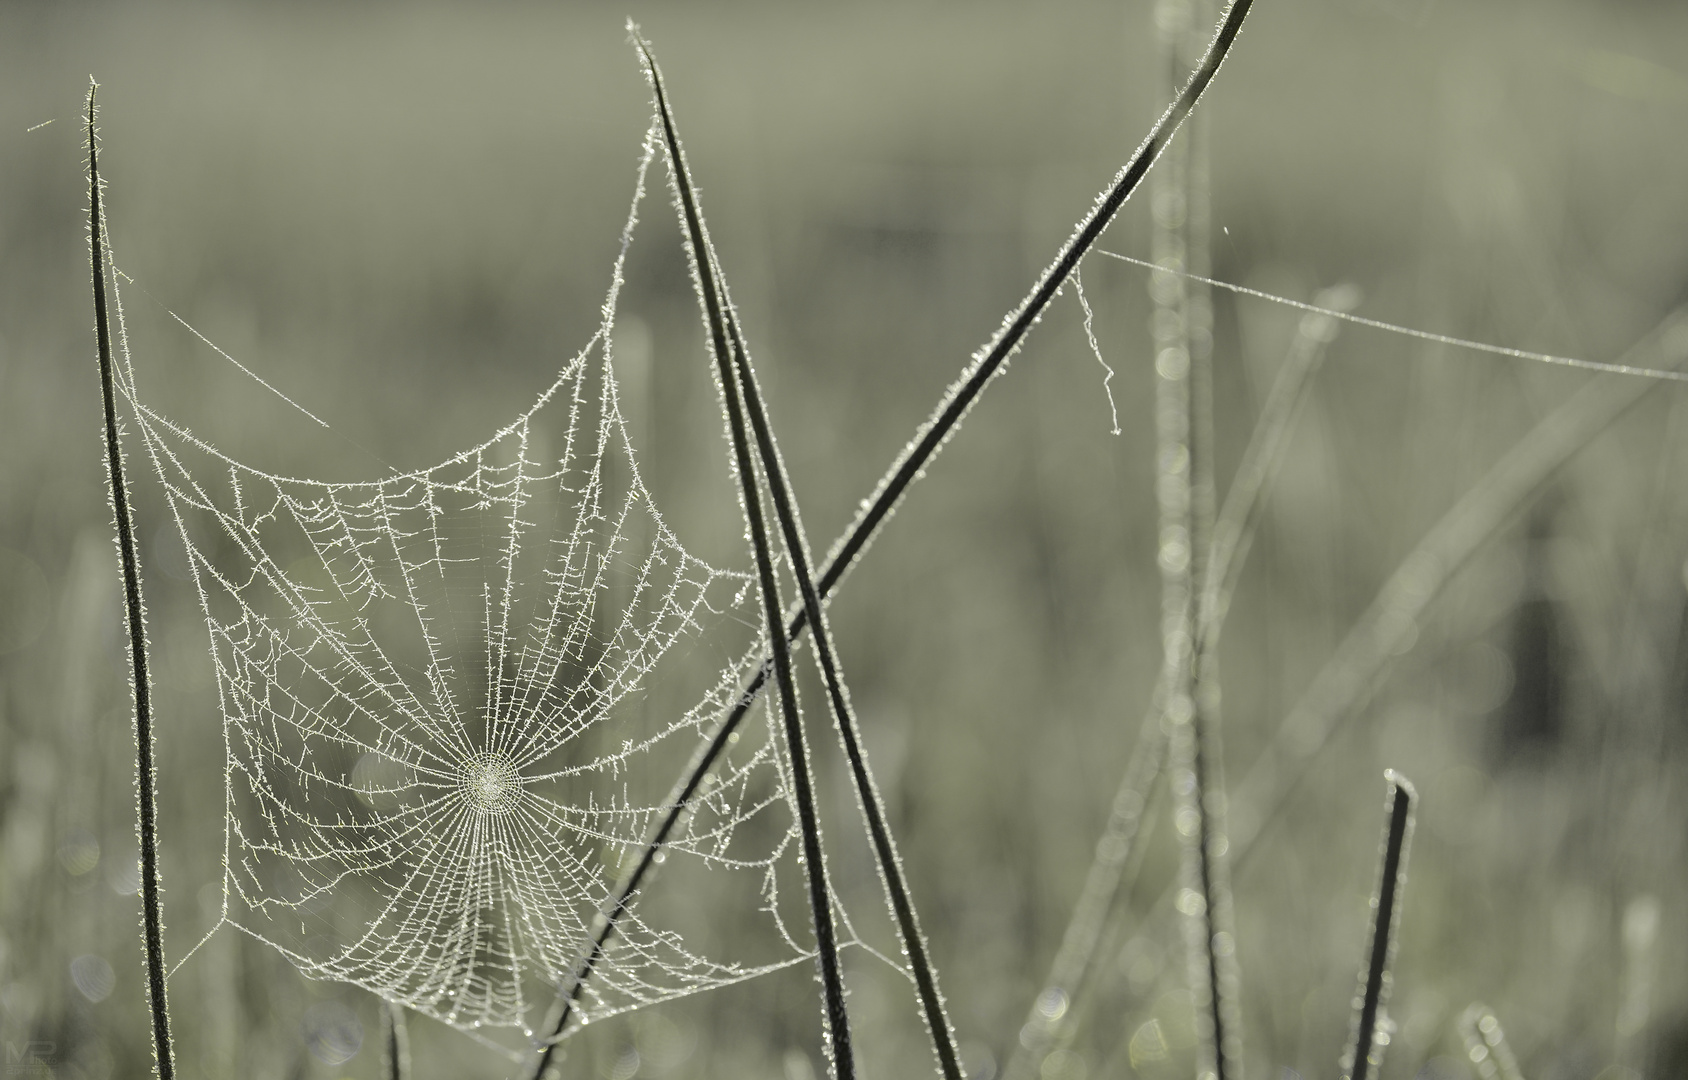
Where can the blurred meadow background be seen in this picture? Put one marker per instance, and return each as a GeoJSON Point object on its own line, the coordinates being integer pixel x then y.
{"type": "Point", "coordinates": [404, 217]}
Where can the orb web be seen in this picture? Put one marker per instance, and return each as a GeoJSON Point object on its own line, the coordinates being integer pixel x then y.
{"type": "Point", "coordinates": [453, 701]}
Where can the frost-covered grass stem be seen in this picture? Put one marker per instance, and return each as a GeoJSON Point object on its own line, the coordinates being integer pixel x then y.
{"type": "Point", "coordinates": [840, 1054]}
{"type": "Point", "coordinates": [1365, 1051]}
{"type": "Point", "coordinates": [867, 792]}
{"type": "Point", "coordinates": [907, 467]}
{"type": "Point", "coordinates": [134, 610]}
{"type": "Point", "coordinates": [989, 360]}
{"type": "Point", "coordinates": [1184, 487]}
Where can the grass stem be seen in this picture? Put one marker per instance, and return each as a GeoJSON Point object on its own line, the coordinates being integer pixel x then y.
{"type": "Point", "coordinates": [867, 792]}
{"type": "Point", "coordinates": [1485, 1044]}
{"type": "Point", "coordinates": [134, 609]}
{"type": "Point", "coordinates": [835, 1017]}
{"type": "Point", "coordinates": [1365, 1052]}
{"type": "Point", "coordinates": [1232, 533]}
{"type": "Point", "coordinates": [904, 470]}
{"type": "Point", "coordinates": [1184, 489]}
{"type": "Point", "coordinates": [836, 1029]}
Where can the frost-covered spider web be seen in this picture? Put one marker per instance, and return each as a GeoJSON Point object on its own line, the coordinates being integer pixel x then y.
{"type": "Point", "coordinates": [453, 702]}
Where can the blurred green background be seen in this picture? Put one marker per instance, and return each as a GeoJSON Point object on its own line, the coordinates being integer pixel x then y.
{"type": "Point", "coordinates": [404, 216]}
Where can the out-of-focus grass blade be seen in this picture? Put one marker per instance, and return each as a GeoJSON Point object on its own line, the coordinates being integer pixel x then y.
{"type": "Point", "coordinates": [1239, 514]}
{"type": "Point", "coordinates": [868, 799]}
{"type": "Point", "coordinates": [395, 1042]}
{"type": "Point", "coordinates": [1348, 678]}
{"type": "Point", "coordinates": [1485, 1044]}
{"type": "Point", "coordinates": [835, 1016]}
{"type": "Point", "coordinates": [1050, 1021]}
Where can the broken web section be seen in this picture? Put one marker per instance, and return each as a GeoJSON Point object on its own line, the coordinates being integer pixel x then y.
{"type": "Point", "coordinates": [454, 702]}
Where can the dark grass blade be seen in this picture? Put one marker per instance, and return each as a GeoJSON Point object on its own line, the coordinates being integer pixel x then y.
{"type": "Point", "coordinates": [836, 1021]}
{"type": "Point", "coordinates": [929, 438]}
{"type": "Point", "coordinates": [134, 610]}
{"type": "Point", "coordinates": [867, 792]}
{"type": "Point", "coordinates": [1365, 1051]}
{"type": "Point", "coordinates": [395, 1042]}
{"type": "Point", "coordinates": [1485, 1044]}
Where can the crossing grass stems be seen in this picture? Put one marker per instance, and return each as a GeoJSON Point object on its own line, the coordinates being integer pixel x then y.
{"type": "Point", "coordinates": [910, 464]}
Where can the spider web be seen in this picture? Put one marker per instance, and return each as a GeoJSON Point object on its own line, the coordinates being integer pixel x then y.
{"type": "Point", "coordinates": [451, 700]}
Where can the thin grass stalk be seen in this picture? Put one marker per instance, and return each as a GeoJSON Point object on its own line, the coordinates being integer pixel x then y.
{"type": "Point", "coordinates": [1182, 325]}
{"type": "Point", "coordinates": [836, 1020]}
{"type": "Point", "coordinates": [1197, 322]}
{"type": "Point", "coordinates": [1203, 899]}
{"type": "Point", "coordinates": [872, 805]}
{"type": "Point", "coordinates": [905, 469]}
{"type": "Point", "coordinates": [1182, 715]}
{"type": "Point", "coordinates": [134, 611]}
{"type": "Point", "coordinates": [1238, 519]}
{"type": "Point", "coordinates": [395, 1042]}
{"type": "Point", "coordinates": [1049, 1022]}
{"type": "Point", "coordinates": [1485, 1044]}
{"type": "Point", "coordinates": [989, 360]}
{"type": "Point", "coordinates": [1233, 530]}
{"type": "Point", "coordinates": [1224, 977]}
{"type": "Point", "coordinates": [1365, 1051]}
